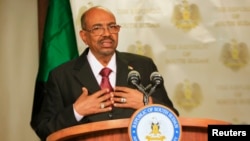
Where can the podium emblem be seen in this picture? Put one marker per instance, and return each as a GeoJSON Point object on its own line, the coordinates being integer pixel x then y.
{"type": "Point", "coordinates": [154, 123]}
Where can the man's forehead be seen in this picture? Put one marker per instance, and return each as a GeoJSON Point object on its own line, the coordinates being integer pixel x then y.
{"type": "Point", "coordinates": [99, 11]}
{"type": "Point", "coordinates": [101, 19]}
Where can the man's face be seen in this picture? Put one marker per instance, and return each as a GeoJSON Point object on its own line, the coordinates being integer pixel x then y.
{"type": "Point", "coordinates": [103, 44]}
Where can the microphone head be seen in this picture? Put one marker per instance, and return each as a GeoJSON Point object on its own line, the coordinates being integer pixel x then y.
{"type": "Point", "coordinates": [134, 77]}
{"type": "Point", "coordinates": [156, 78]}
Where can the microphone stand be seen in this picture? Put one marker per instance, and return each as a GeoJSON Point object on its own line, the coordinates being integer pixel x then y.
{"type": "Point", "coordinates": [145, 98]}
{"type": "Point", "coordinates": [146, 94]}
{"type": "Point", "coordinates": [143, 90]}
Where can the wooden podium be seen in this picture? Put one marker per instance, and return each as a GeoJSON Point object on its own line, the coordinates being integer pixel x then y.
{"type": "Point", "coordinates": [193, 129]}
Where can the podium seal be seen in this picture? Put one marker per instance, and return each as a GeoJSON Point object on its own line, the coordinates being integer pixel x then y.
{"type": "Point", "coordinates": [154, 123]}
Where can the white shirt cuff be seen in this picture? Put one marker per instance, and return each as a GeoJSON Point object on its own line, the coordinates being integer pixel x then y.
{"type": "Point", "coordinates": [77, 116]}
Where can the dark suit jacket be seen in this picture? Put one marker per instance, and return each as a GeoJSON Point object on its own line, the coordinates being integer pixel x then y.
{"type": "Point", "coordinates": [65, 86]}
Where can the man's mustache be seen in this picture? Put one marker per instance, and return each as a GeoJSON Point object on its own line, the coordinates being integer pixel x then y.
{"type": "Point", "coordinates": [107, 38]}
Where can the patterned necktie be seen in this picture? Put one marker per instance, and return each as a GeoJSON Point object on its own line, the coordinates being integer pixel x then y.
{"type": "Point", "coordinates": [105, 79]}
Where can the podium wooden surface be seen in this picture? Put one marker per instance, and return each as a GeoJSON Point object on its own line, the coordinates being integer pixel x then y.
{"type": "Point", "coordinates": [193, 129]}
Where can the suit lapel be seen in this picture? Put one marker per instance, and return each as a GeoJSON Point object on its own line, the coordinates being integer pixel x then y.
{"type": "Point", "coordinates": [122, 70]}
{"type": "Point", "coordinates": [84, 74]}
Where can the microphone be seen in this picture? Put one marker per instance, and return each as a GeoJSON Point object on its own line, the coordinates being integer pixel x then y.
{"type": "Point", "coordinates": [134, 78]}
{"type": "Point", "coordinates": [156, 80]}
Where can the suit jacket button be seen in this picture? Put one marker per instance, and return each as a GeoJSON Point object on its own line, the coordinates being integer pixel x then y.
{"type": "Point", "coordinates": [110, 115]}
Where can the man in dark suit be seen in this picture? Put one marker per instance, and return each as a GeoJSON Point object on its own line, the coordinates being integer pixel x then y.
{"type": "Point", "coordinates": [73, 93]}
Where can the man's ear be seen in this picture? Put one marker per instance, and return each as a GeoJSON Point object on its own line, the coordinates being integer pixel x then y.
{"type": "Point", "coordinates": [83, 36]}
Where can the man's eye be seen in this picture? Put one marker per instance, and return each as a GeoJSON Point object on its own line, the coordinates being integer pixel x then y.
{"type": "Point", "coordinates": [96, 28]}
{"type": "Point", "coordinates": [112, 26]}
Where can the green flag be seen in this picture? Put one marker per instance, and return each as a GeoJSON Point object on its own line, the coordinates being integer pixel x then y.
{"type": "Point", "coordinates": [59, 41]}
{"type": "Point", "coordinates": [59, 45]}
